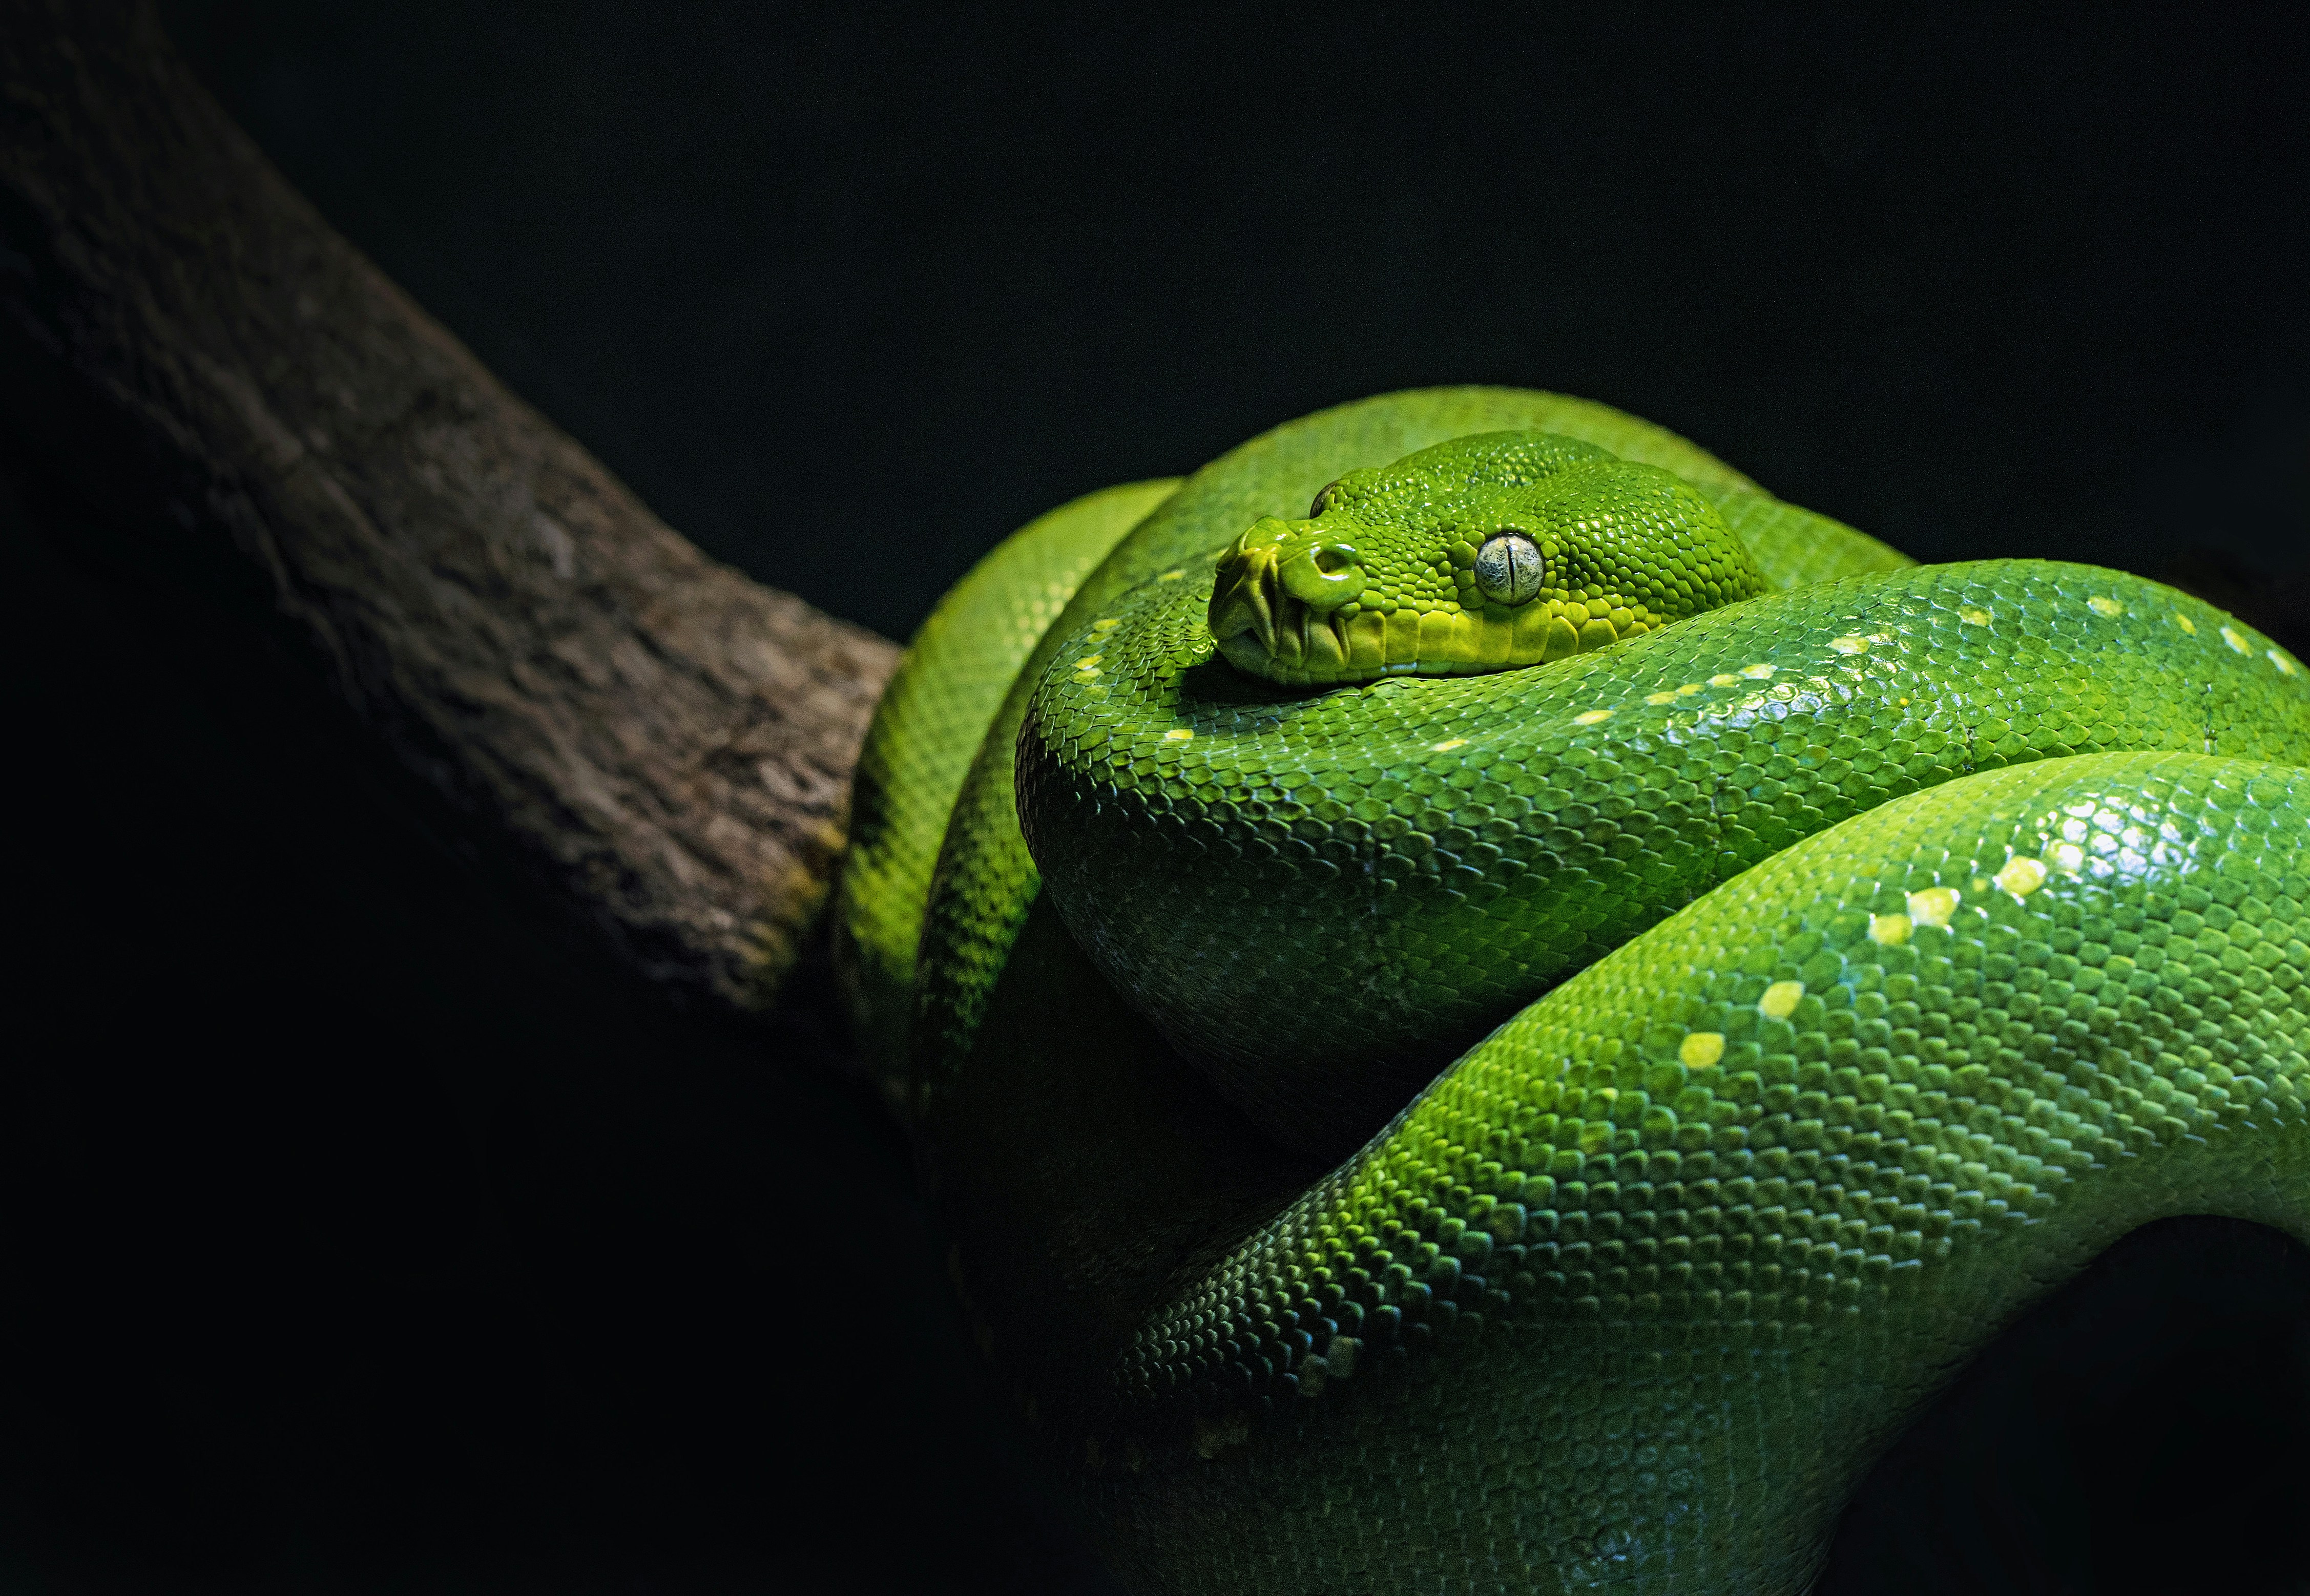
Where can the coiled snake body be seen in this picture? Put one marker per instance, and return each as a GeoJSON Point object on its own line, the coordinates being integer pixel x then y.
{"type": "Point", "coordinates": [1505, 1028]}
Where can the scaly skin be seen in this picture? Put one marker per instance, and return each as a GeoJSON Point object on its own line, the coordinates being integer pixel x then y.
{"type": "Point", "coordinates": [1632, 1296]}
{"type": "Point", "coordinates": [1975, 899]}
{"type": "Point", "coordinates": [950, 683]}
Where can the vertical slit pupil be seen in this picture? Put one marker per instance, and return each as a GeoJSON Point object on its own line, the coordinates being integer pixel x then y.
{"type": "Point", "coordinates": [1510, 569]}
{"type": "Point", "coordinates": [1526, 564]}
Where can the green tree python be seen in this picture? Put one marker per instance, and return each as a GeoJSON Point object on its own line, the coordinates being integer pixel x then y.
{"type": "Point", "coordinates": [1490, 1007]}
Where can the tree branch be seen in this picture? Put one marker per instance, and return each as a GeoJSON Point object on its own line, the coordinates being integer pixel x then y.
{"type": "Point", "coordinates": [665, 744]}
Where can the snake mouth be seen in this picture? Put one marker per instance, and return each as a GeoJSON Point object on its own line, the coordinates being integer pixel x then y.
{"type": "Point", "coordinates": [1285, 640]}
{"type": "Point", "coordinates": [1284, 609]}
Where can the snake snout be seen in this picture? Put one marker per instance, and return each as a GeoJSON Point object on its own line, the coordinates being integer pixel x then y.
{"type": "Point", "coordinates": [1274, 597]}
{"type": "Point", "coordinates": [1249, 590]}
{"type": "Point", "coordinates": [1244, 598]}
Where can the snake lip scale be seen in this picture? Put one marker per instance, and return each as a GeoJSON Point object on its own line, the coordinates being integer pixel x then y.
{"type": "Point", "coordinates": [1508, 1029]}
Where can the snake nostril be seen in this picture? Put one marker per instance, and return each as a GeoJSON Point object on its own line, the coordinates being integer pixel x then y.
{"type": "Point", "coordinates": [1324, 575]}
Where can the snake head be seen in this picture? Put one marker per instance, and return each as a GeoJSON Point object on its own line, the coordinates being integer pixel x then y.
{"type": "Point", "coordinates": [1483, 553]}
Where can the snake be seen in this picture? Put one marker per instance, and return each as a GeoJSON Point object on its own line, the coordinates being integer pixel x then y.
{"type": "Point", "coordinates": [1487, 1005]}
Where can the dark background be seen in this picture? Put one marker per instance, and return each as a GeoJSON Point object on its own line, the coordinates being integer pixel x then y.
{"type": "Point", "coordinates": [361, 1235]}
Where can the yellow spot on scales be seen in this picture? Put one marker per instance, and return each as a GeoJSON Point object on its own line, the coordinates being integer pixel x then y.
{"type": "Point", "coordinates": [2021, 877]}
{"type": "Point", "coordinates": [1590, 717]}
{"type": "Point", "coordinates": [2105, 606]}
{"type": "Point", "coordinates": [1933, 905]}
{"type": "Point", "coordinates": [1106, 625]}
{"type": "Point", "coordinates": [1758, 672]}
{"type": "Point", "coordinates": [2230, 636]}
{"type": "Point", "coordinates": [2186, 624]}
{"type": "Point", "coordinates": [2285, 666]}
{"type": "Point", "coordinates": [1688, 688]}
{"type": "Point", "coordinates": [1975, 615]}
{"type": "Point", "coordinates": [1889, 931]}
{"type": "Point", "coordinates": [1447, 745]}
{"type": "Point", "coordinates": [1659, 698]}
{"type": "Point", "coordinates": [1170, 576]}
{"type": "Point", "coordinates": [1780, 1000]}
{"type": "Point", "coordinates": [1725, 678]}
{"type": "Point", "coordinates": [1848, 645]}
{"type": "Point", "coordinates": [1702, 1049]}
{"type": "Point", "coordinates": [1178, 734]}
{"type": "Point", "coordinates": [1088, 662]}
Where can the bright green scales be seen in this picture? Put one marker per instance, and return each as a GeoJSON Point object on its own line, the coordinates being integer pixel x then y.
{"type": "Point", "coordinates": [1907, 934]}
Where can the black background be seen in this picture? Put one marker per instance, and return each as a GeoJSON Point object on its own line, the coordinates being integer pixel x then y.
{"type": "Point", "coordinates": [361, 1235]}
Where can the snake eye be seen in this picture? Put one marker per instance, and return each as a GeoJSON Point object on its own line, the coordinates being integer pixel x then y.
{"type": "Point", "coordinates": [1322, 500]}
{"type": "Point", "coordinates": [1509, 568]}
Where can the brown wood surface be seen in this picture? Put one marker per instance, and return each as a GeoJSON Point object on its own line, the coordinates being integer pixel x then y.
{"type": "Point", "coordinates": [664, 744]}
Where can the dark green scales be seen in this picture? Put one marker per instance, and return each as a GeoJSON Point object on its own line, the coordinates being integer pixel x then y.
{"type": "Point", "coordinates": [1867, 944]}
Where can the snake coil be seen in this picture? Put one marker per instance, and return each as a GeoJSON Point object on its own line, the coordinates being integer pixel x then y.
{"type": "Point", "coordinates": [1547, 1129]}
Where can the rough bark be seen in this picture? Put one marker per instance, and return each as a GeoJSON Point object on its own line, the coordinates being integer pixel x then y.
{"type": "Point", "coordinates": [666, 744]}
